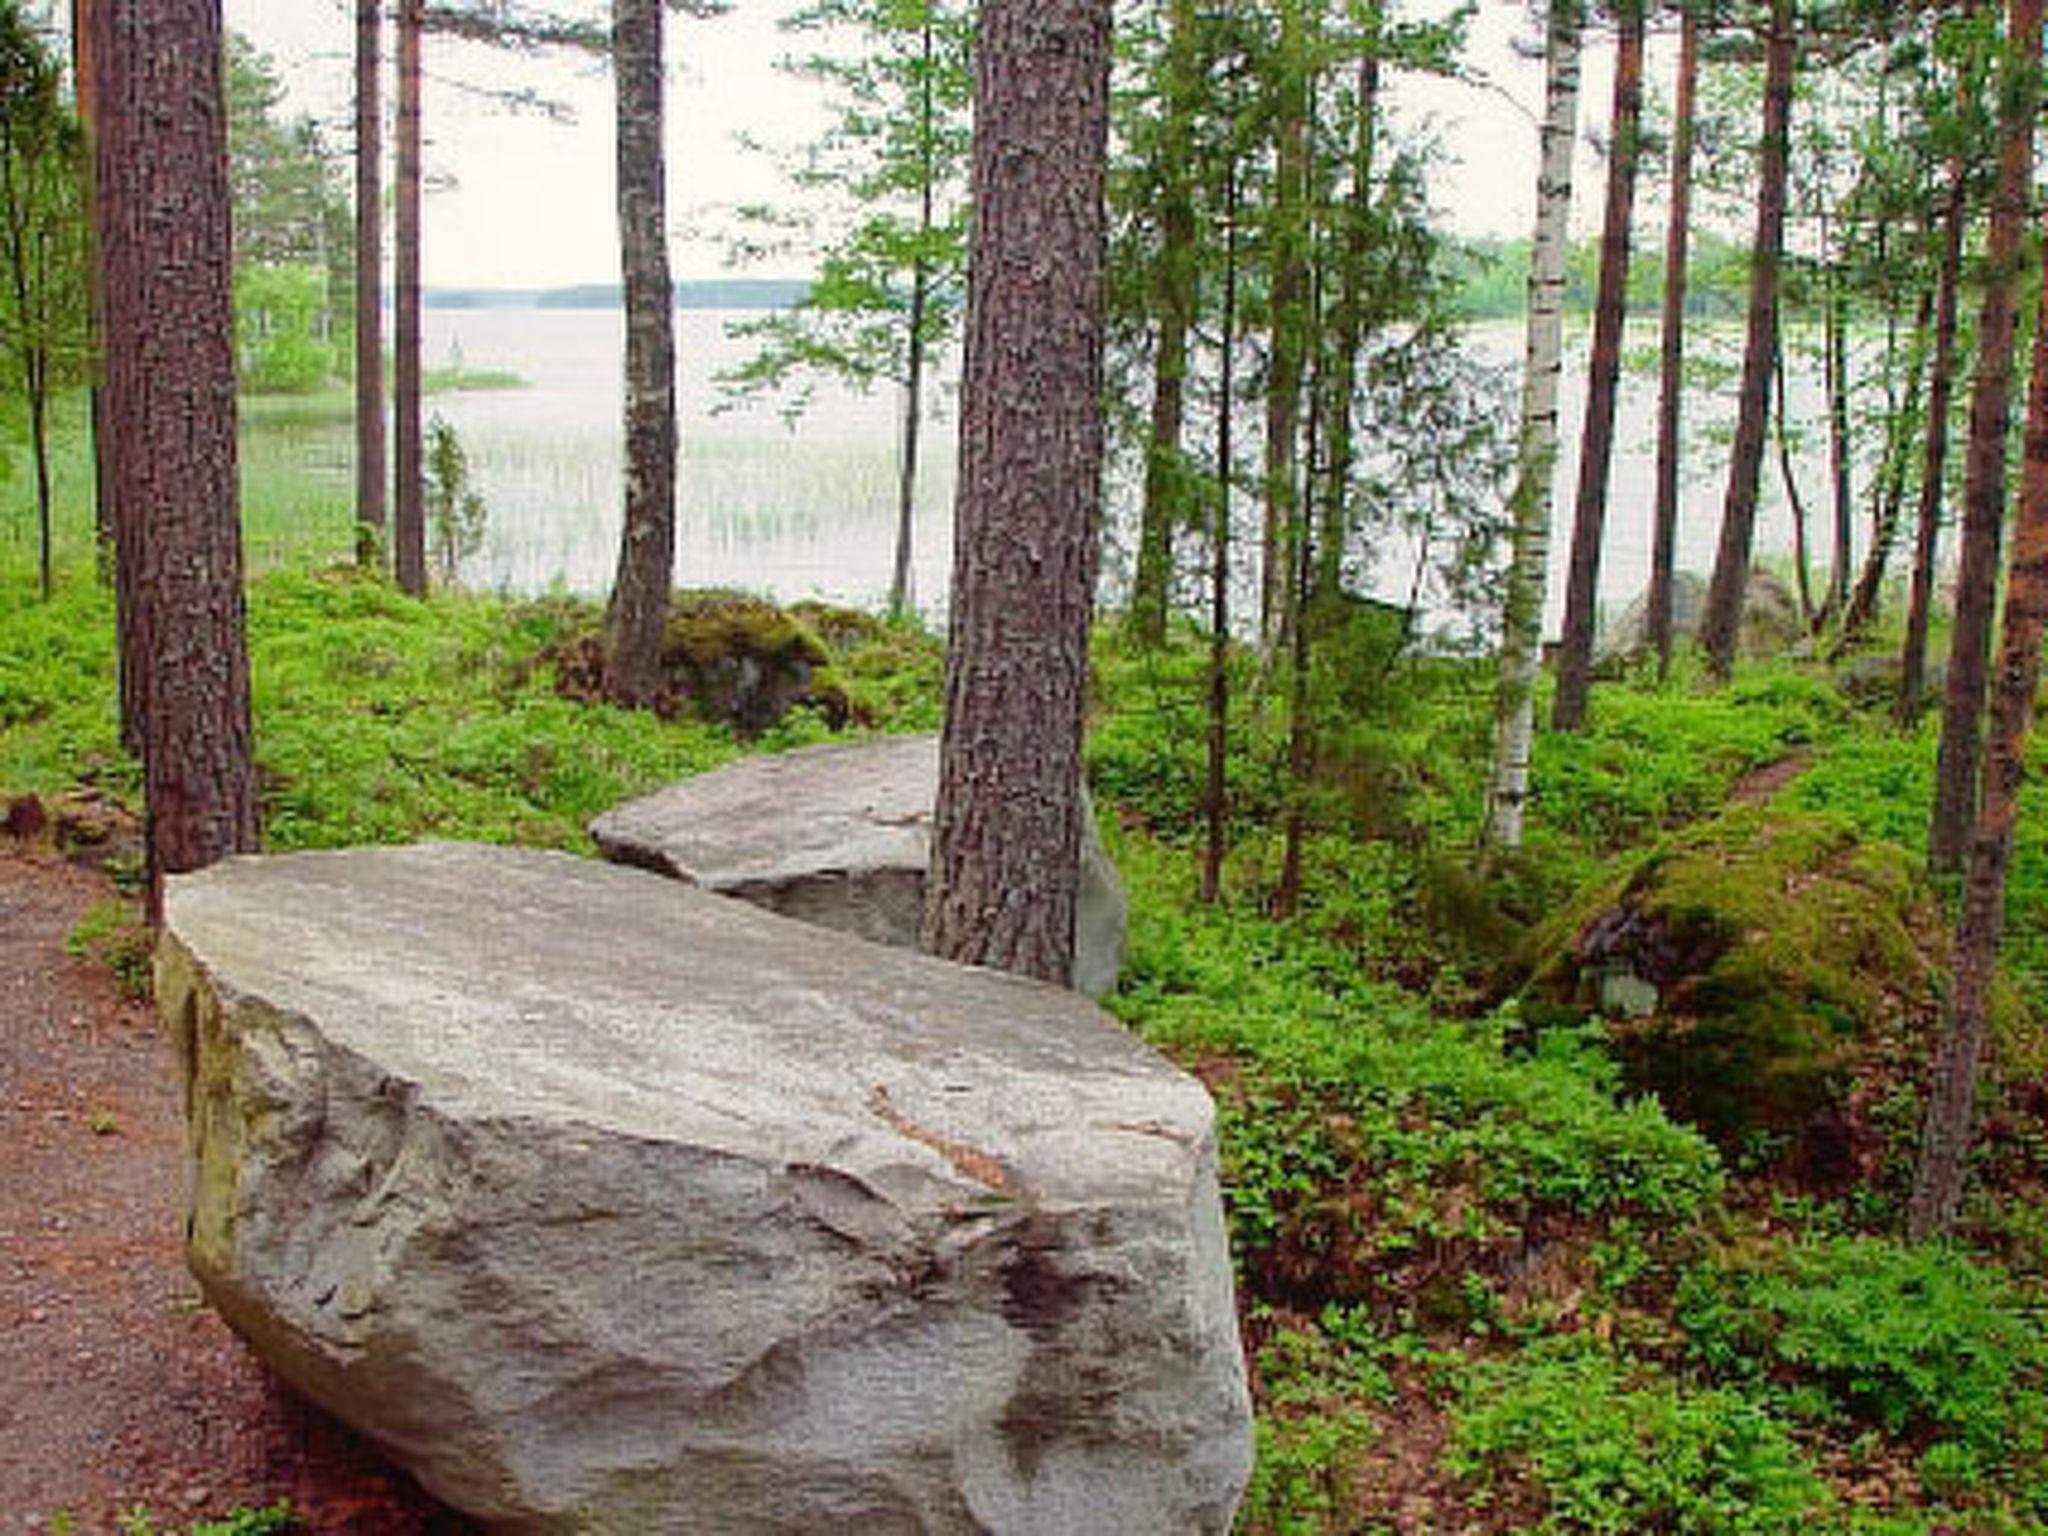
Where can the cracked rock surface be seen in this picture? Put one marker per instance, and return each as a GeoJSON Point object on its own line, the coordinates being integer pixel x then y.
{"type": "Point", "coordinates": [609, 1205]}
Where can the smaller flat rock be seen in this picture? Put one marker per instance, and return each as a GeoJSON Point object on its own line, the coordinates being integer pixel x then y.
{"type": "Point", "coordinates": [838, 835]}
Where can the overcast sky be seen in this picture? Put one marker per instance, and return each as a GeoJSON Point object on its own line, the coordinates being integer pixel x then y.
{"type": "Point", "coordinates": [530, 200]}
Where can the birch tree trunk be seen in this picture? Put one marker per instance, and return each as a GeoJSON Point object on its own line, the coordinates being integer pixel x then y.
{"type": "Point", "coordinates": [1521, 646]}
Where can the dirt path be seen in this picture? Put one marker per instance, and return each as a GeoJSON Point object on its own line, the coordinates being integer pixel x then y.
{"type": "Point", "coordinates": [118, 1388]}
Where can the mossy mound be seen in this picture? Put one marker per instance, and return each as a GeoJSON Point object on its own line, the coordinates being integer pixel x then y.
{"type": "Point", "coordinates": [1774, 980]}
{"type": "Point", "coordinates": [726, 657]}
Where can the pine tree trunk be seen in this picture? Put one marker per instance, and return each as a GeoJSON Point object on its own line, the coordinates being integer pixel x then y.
{"type": "Point", "coordinates": [638, 615]}
{"type": "Point", "coordinates": [1603, 380]}
{"type": "Point", "coordinates": [1347, 328]}
{"type": "Point", "coordinates": [1941, 380]}
{"type": "Point", "coordinates": [1671, 365]}
{"type": "Point", "coordinates": [162, 219]}
{"type": "Point", "coordinates": [1839, 449]}
{"type": "Point", "coordinates": [1173, 301]}
{"type": "Point", "coordinates": [1216, 788]}
{"type": "Point", "coordinates": [1788, 476]}
{"type": "Point", "coordinates": [409, 509]}
{"type": "Point", "coordinates": [371, 468]}
{"type": "Point", "coordinates": [914, 337]}
{"type": "Point", "coordinates": [1945, 1142]}
{"type": "Point", "coordinates": [1521, 645]}
{"type": "Point", "coordinates": [1720, 623]}
{"type": "Point", "coordinates": [1888, 492]}
{"type": "Point", "coordinates": [1007, 825]}
{"type": "Point", "coordinates": [1969, 651]}
{"type": "Point", "coordinates": [1289, 256]}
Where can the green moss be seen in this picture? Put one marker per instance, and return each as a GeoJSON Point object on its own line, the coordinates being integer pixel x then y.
{"type": "Point", "coordinates": [1779, 952]}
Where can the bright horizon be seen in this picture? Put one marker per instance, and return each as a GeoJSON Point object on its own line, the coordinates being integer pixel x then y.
{"type": "Point", "coordinates": [530, 202]}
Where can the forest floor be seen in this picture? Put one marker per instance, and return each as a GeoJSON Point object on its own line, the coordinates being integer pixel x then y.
{"type": "Point", "coordinates": [120, 1391]}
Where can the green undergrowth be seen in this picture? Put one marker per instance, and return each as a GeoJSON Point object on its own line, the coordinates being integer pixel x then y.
{"type": "Point", "coordinates": [1480, 1277]}
{"type": "Point", "coordinates": [1449, 1212]}
{"type": "Point", "coordinates": [383, 719]}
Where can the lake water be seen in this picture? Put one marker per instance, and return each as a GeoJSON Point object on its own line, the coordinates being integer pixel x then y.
{"type": "Point", "coordinates": [808, 509]}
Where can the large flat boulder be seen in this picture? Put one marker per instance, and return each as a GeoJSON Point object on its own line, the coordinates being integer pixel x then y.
{"type": "Point", "coordinates": [838, 835]}
{"type": "Point", "coordinates": [609, 1205]}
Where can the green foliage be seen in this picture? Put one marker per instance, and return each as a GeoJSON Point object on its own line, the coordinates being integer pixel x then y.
{"type": "Point", "coordinates": [1921, 1340]}
{"type": "Point", "coordinates": [265, 1520]}
{"type": "Point", "coordinates": [891, 272]}
{"type": "Point", "coordinates": [455, 511]}
{"type": "Point", "coordinates": [380, 719]}
{"type": "Point", "coordinates": [1302, 1471]}
{"type": "Point", "coordinates": [112, 932]}
{"type": "Point", "coordinates": [1609, 1449]}
{"type": "Point", "coordinates": [281, 345]}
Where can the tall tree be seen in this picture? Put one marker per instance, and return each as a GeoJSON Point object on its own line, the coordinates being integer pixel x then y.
{"type": "Point", "coordinates": [1288, 241]}
{"type": "Point", "coordinates": [1007, 824]}
{"type": "Point", "coordinates": [371, 468]}
{"type": "Point", "coordinates": [1671, 353]}
{"type": "Point", "coordinates": [638, 612]}
{"type": "Point", "coordinates": [1969, 651]}
{"type": "Point", "coordinates": [1603, 376]}
{"type": "Point", "coordinates": [1514, 713]}
{"type": "Point", "coordinates": [1174, 266]}
{"type": "Point", "coordinates": [409, 508]}
{"type": "Point", "coordinates": [45, 333]}
{"type": "Point", "coordinates": [1721, 621]}
{"type": "Point", "coordinates": [1945, 1141]}
{"type": "Point", "coordinates": [1941, 370]}
{"type": "Point", "coordinates": [163, 224]}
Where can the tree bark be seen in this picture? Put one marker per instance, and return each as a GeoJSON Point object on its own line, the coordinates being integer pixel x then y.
{"type": "Point", "coordinates": [638, 615]}
{"type": "Point", "coordinates": [1007, 825]}
{"type": "Point", "coordinates": [409, 512]}
{"type": "Point", "coordinates": [1216, 789]}
{"type": "Point", "coordinates": [1521, 645]}
{"type": "Point", "coordinates": [1969, 651]}
{"type": "Point", "coordinates": [1720, 624]}
{"type": "Point", "coordinates": [1941, 383]}
{"type": "Point", "coordinates": [163, 225]}
{"type": "Point", "coordinates": [1671, 366]}
{"type": "Point", "coordinates": [1347, 326]}
{"type": "Point", "coordinates": [914, 339]}
{"type": "Point", "coordinates": [1173, 299]}
{"type": "Point", "coordinates": [1839, 451]}
{"type": "Point", "coordinates": [1288, 244]}
{"type": "Point", "coordinates": [1603, 379]}
{"type": "Point", "coordinates": [1888, 490]}
{"type": "Point", "coordinates": [371, 469]}
{"type": "Point", "coordinates": [1945, 1142]}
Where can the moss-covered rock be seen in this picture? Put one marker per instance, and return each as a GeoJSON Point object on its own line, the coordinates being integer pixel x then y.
{"type": "Point", "coordinates": [1772, 978]}
{"type": "Point", "coordinates": [726, 657]}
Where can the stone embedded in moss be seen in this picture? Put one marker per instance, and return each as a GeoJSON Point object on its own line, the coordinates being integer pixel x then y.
{"type": "Point", "coordinates": [1750, 968]}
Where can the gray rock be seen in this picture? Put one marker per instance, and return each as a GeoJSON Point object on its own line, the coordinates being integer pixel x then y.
{"type": "Point", "coordinates": [607, 1205]}
{"type": "Point", "coordinates": [838, 835]}
{"type": "Point", "coordinates": [1770, 623]}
